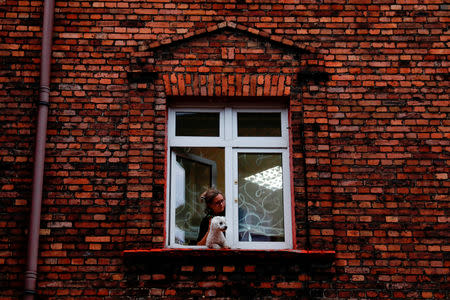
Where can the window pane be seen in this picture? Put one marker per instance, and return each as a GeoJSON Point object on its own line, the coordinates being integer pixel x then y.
{"type": "Point", "coordinates": [260, 194]}
{"type": "Point", "coordinates": [194, 171]}
{"type": "Point", "coordinates": [259, 124]}
{"type": "Point", "coordinates": [197, 124]}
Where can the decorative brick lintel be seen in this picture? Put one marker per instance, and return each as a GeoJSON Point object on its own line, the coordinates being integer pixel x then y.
{"type": "Point", "coordinates": [231, 25]}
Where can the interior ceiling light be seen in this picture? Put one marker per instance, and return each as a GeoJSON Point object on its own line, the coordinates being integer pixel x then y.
{"type": "Point", "coordinates": [271, 179]}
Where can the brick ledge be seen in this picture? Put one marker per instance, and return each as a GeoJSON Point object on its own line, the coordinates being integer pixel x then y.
{"type": "Point", "coordinates": [317, 255]}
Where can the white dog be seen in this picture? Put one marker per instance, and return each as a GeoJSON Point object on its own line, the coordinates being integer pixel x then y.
{"type": "Point", "coordinates": [216, 238]}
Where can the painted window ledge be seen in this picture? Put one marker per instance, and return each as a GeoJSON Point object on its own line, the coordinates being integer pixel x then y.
{"type": "Point", "coordinates": [191, 253]}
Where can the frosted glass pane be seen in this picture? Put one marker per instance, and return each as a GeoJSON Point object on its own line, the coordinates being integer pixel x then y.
{"type": "Point", "coordinates": [260, 194]}
{"type": "Point", "coordinates": [197, 124]}
{"type": "Point", "coordinates": [259, 124]}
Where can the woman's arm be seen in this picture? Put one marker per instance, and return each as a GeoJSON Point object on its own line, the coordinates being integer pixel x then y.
{"type": "Point", "coordinates": [202, 242]}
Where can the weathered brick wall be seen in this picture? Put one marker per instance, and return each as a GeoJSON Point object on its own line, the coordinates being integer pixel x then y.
{"type": "Point", "coordinates": [368, 92]}
{"type": "Point", "coordinates": [236, 276]}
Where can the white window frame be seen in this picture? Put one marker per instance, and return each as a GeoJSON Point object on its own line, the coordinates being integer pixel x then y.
{"type": "Point", "coordinates": [286, 202]}
{"type": "Point", "coordinates": [233, 144]}
{"type": "Point", "coordinates": [263, 142]}
{"type": "Point", "coordinates": [195, 141]}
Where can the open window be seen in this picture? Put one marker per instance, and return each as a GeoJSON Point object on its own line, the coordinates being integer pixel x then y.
{"type": "Point", "coordinates": [245, 154]}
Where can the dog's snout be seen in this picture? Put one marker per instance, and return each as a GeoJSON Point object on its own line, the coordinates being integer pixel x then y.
{"type": "Point", "coordinates": [225, 227]}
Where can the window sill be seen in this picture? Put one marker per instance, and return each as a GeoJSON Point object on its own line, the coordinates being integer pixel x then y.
{"type": "Point", "coordinates": [232, 254]}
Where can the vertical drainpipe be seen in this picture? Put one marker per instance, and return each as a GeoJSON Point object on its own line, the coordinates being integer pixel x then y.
{"type": "Point", "coordinates": [39, 154]}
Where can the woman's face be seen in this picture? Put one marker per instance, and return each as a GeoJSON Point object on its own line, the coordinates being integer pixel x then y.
{"type": "Point", "coordinates": [217, 204]}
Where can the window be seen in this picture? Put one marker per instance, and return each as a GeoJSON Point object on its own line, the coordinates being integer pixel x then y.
{"type": "Point", "coordinates": [245, 154]}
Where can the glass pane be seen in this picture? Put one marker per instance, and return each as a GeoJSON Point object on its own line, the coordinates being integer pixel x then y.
{"type": "Point", "coordinates": [260, 192]}
{"type": "Point", "coordinates": [194, 171]}
{"type": "Point", "coordinates": [259, 124]}
{"type": "Point", "coordinates": [197, 124]}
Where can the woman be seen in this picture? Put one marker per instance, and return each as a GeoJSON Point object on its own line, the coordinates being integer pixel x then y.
{"type": "Point", "coordinates": [215, 206]}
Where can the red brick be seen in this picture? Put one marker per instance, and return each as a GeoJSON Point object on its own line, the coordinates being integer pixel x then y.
{"type": "Point", "coordinates": [373, 138]}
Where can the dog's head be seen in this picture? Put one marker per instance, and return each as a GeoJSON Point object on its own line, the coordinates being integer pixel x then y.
{"type": "Point", "coordinates": [219, 223]}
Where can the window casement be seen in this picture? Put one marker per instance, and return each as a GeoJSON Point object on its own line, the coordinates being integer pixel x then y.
{"type": "Point", "coordinates": [245, 154]}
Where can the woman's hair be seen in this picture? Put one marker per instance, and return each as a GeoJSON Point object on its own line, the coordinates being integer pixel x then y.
{"type": "Point", "coordinates": [209, 195]}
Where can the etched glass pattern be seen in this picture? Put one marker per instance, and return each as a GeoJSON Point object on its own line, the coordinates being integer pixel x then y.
{"type": "Point", "coordinates": [260, 194]}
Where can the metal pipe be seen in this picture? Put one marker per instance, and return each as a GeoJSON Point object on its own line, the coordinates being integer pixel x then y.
{"type": "Point", "coordinates": [39, 154]}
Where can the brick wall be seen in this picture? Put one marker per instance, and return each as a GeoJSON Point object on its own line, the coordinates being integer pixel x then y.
{"type": "Point", "coordinates": [367, 83]}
